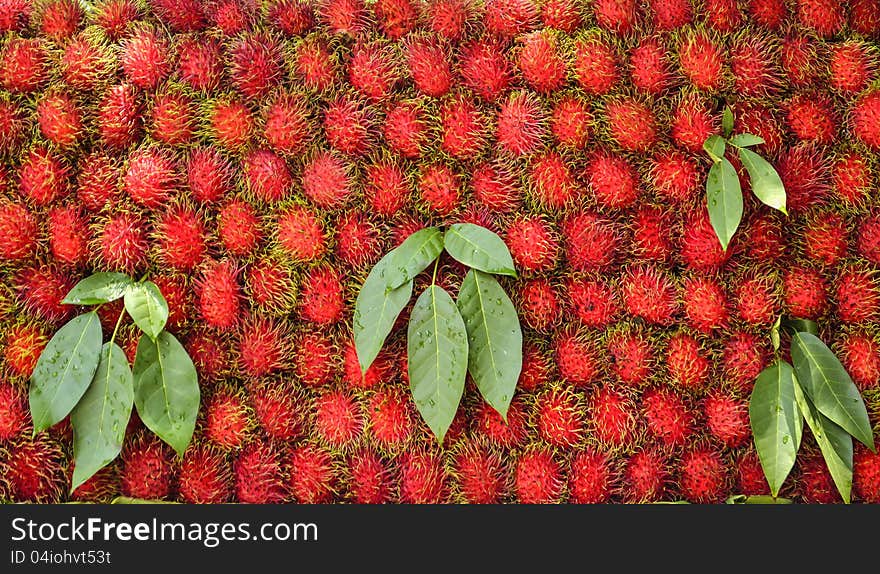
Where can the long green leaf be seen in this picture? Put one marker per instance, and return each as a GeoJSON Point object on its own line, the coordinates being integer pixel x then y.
{"type": "Point", "coordinates": [766, 183]}
{"type": "Point", "coordinates": [98, 288]}
{"type": "Point", "coordinates": [437, 351]}
{"type": "Point", "coordinates": [715, 147]}
{"type": "Point", "coordinates": [166, 389]}
{"type": "Point", "coordinates": [376, 310]}
{"type": "Point", "coordinates": [147, 307]}
{"type": "Point", "coordinates": [777, 424]}
{"type": "Point", "coordinates": [724, 200]}
{"type": "Point", "coordinates": [479, 248]}
{"type": "Point", "coordinates": [834, 442]}
{"type": "Point", "coordinates": [746, 140]}
{"type": "Point", "coordinates": [100, 418]}
{"type": "Point", "coordinates": [830, 387]}
{"type": "Point", "coordinates": [494, 338]}
{"type": "Point", "coordinates": [64, 370]}
{"type": "Point", "coordinates": [412, 256]}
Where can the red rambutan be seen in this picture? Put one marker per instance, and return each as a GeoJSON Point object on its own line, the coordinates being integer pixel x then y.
{"type": "Point", "coordinates": [34, 470]}
{"type": "Point", "coordinates": [632, 356]}
{"type": "Point", "coordinates": [259, 474]}
{"type": "Point", "coordinates": [405, 129]}
{"type": "Point", "coordinates": [700, 249]}
{"type": "Point", "coordinates": [423, 478]}
{"type": "Point", "coordinates": [860, 355]}
{"type": "Point", "coordinates": [314, 65]}
{"type": "Point", "coordinates": [535, 371]}
{"type": "Point", "coordinates": [312, 475]}
{"type": "Point", "coordinates": [488, 424]}
{"type": "Point", "coordinates": [481, 475]}
{"type": "Point", "coordinates": [390, 418]}
{"type": "Point", "coordinates": [255, 64]}
{"type": "Point", "coordinates": [151, 178]}
{"type": "Point", "coordinates": [22, 348]}
{"type": "Point", "coordinates": [494, 188]}
{"type": "Point", "coordinates": [743, 358]}
{"type": "Point", "coordinates": [612, 180]}
{"type": "Point", "coordinates": [300, 234]}
{"type": "Point", "coordinates": [145, 58]}
{"type": "Point", "coordinates": [439, 188]}
{"type": "Point", "coordinates": [231, 123]}
{"type": "Point", "coordinates": [703, 476]}
{"type": "Point", "coordinates": [753, 66]}
{"type": "Point", "coordinates": [538, 304]}
{"type": "Point", "coordinates": [591, 241]}
{"type": "Point", "coordinates": [369, 478]}
{"type": "Point", "coordinates": [811, 117]}
{"type": "Point", "coordinates": [123, 243]}
{"type": "Point", "coordinates": [200, 63]}
{"type": "Point", "coordinates": [262, 347]}
{"type": "Point", "coordinates": [205, 476]}
{"type": "Point", "coordinates": [229, 420]}
{"type": "Point", "coordinates": [851, 178]}
{"type": "Point", "coordinates": [238, 228]}
{"type": "Point", "coordinates": [800, 60]}
{"type": "Point", "coordinates": [147, 468]}
{"type": "Point", "coordinates": [865, 119]}
{"type": "Point", "coordinates": [463, 128]}
{"type": "Point", "coordinates": [373, 70]}
{"type": "Point", "coordinates": [702, 61]}
{"type": "Point", "coordinates": [825, 17]}
{"type": "Point", "coordinates": [314, 358]}
{"type": "Point", "coordinates": [181, 237]}
{"type": "Point", "coordinates": [279, 409]}
{"type": "Point", "coordinates": [805, 293]}
{"type": "Point", "coordinates": [520, 123]}
{"type": "Point", "coordinates": [686, 362]}
{"type": "Point", "coordinates": [558, 418]}
{"type": "Point", "coordinates": [41, 290]}
{"type": "Point", "coordinates": [219, 295]}
{"type": "Point", "coordinates": [327, 180]}
{"type": "Point", "coordinates": [647, 292]}
{"type": "Point", "coordinates": [322, 296]}
{"type": "Point", "coordinates": [208, 174]}
{"type": "Point", "coordinates": [43, 177]}
{"type": "Point", "coordinates": [347, 126]}
{"type": "Point", "coordinates": [756, 299]}
{"type": "Point", "coordinates": [691, 124]}
{"type": "Point", "coordinates": [538, 478]}
{"type": "Point", "coordinates": [564, 15]}
{"type": "Point", "coordinates": [540, 62]}
{"type": "Point", "coordinates": [705, 304]}
{"type": "Point", "coordinates": [18, 232]}
{"type": "Point", "coordinates": [667, 416]}
{"type": "Point", "coordinates": [650, 67]}
{"type": "Point", "coordinates": [858, 298]}
{"type": "Point", "coordinates": [612, 417]}
{"type": "Point", "coordinates": [650, 234]}
{"type": "Point", "coordinates": [24, 65]}
{"type": "Point", "coordinates": [59, 119]}
{"type": "Point", "coordinates": [173, 117]}
{"type": "Point", "coordinates": [631, 123]}
{"type": "Point", "coordinates": [209, 354]}
{"type": "Point", "coordinates": [645, 477]}
{"type": "Point", "coordinates": [68, 234]}
{"type": "Point", "coordinates": [14, 413]}
{"type": "Point", "coordinates": [551, 181]}
{"type": "Point", "coordinates": [396, 17]}
{"type": "Point", "coordinates": [577, 359]}
{"type": "Point", "coordinates": [674, 176]}
{"type": "Point", "coordinates": [595, 66]}
{"type": "Point", "coordinates": [267, 175]}
{"type": "Point", "coordinates": [727, 418]}
{"type": "Point", "coordinates": [485, 70]}
{"type": "Point", "coordinates": [866, 475]}
{"type": "Point", "coordinates": [590, 478]}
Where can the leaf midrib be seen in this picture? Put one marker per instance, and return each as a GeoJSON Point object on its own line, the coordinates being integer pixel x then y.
{"type": "Point", "coordinates": [814, 362]}
{"type": "Point", "coordinates": [82, 335]}
{"type": "Point", "coordinates": [486, 327]}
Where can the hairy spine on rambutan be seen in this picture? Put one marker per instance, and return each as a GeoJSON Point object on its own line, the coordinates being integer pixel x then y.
{"type": "Point", "coordinates": [481, 475]}
{"type": "Point", "coordinates": [219, 294]}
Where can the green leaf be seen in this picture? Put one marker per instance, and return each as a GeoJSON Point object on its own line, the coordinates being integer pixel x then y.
{"type": "Point", "coordinates": [494, 338]}
{"type": "Point", "coordinates": [801, 326]}
{"type": "Point", "coordinates": [727, 121]}
{"type": "Point", "coordinates": [776, 421]}
{"type": "Point", "coordinates": [715, 147]}
{"type": "Point", "coordinates": [64, 370]}
{"type": "Point", "coordinates": [147, 307]}
{"type": "Point", "coordinates": [766, 183]}
{"type": "Point", "coordinates": [98, 288]}
{"type": "Point", "coordinates": [166, 389]}
{"type": "Point", "coordinates": [437, 351]}
{"type": "Point", "coordinates": [100, 418]}
{"type": "Point", "coordinates": [479, 248]}
{"type": "Point", "coordinates": [724, 200]}
{"type": "Point", "coordinates": [757, 499]}
{"type": "Point", "coordinates": [834, 442]}
{"type": "Point", "coordinates": [746, 140]}
{"type": "Point", "coordinates": [376, 310]}
{"type": "Point", "coordinates": [775, 339]}
{"type": "Point", "coordinates": [830, 387]}
{"type": "Point", "coordinates": [412, 256]}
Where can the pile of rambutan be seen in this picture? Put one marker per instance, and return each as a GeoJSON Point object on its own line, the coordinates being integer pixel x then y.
{"type": "Point", "coordinates": [256, 157]}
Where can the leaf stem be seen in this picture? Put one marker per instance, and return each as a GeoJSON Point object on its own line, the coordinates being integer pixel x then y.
{"type": "Point", "coordinates": [118, 323]}
{"type": "Point", "coordinates": [434, 276]}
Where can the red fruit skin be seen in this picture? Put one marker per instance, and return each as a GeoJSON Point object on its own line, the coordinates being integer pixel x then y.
{"type": "Point", "coordinates": [267, 176]}
{"type": "Point", "coordinates": [208, 175]}
{"type": "Point", "coordinates": [826, 238]}
{"type": "Point", "coordinates": [262, 347]}
{"type": "Point", "coordinates": [632, 124]}
{"type": "Point", "coordinates": [239, 228]}
{"type": "Point", "coordinates": [613, 180]}
{"type": "Point", "coordinates": [369, 478]}
{"type": "Point", "coordinates": [390, 419]}
{"type": "Point", "coordinates": [595, 66]}
{"type": "Point", "coordinates": [744, 356]}
{"type": "Point", "coordinates": [260, 476]}
{"type": "Point", "coordinates": [667, 416]}
{"type": "Point", "coordinates": [539, 305]}
{"type": "Point", "coordinates": [750, 479]}
{"type": "Point", "coordinates": [570, 122]}
{"type": "Point", "coordinates": [173, 118]}
{"type": "Point", "coordinates": [705, 304]}
{"type": "Point", "coordinates": [18, 232]}
{"type": "Point", "coordinates": [521, 124]}
{"type": "Point", "coordinates": [312, 475]}
{"type": "Point", "coordinates": [618, 16]}
{"type": "Point", "coordinates": [151, 178]}
{"type": "Point", "coordinates": [494, 188]}
{"type": "Point", "coordinates": [551, 181]}
{"type": "Point", "coordinates": [43, 177]}
{"type": "Point", "coordinates": [857, 296]}
{"type": "Point", "coordinates": [147, 469]}
{"type": "Point", "coordinates": [327, 180]}
{"type": "Point", "coordinates": [60, 120]}
{"type": "Point", "coordinates": [228, 418]}
{"type": "Point", "coordinates": [593, 302]}
{"type": "Point", "coordinates": [577, 359]}
{"type": "Point", "coordinates": [756, 299]}
{"type": "Point", "coordinates": [612, 417]}
{"type": "Point", "coordinates": [23, 65]}
{"type": "Point", "coordinates": [405, 129]}
{"type": "Point", "coordinates": [423, 478]}
{"type": "Point", "coordinates": [485, 70]}
{"type": "Point", "coordinates": [205, 476]}
{"type": "Point", "coordinates": [591, 242]}
{"type": "Point", "coordinates": [648, 293]}
{"type": "Point", "coordinates": [482, 475]}
{"type": "Point", "coordinates": [254, 64]}
{"type": "Point", "coordinates": [825, 17]}
{"type": "Point", "coordinates": [181, 238]}
{"type": "Point", "coordinates": [538, 478]}
{"type": "Point", "coordinates": [702, 61]}
{"type": "Point", "coordinates": [200, 63]}
{"type": "Point", "coordinates": [866, 475]}
{"type": "Point", "coordinates": [321, 297]}
{"type": "Point", "coordinates": [314, 358]}
{"type": "Point", "coordinates": [33, 470]}
{"type": "Point", "coordinates": [338, 419]}
{"type": "Point", "coordinates": [145, 58]}
{"type": "Point", "coordinates": [540, 63]}
{"type": "Point", "coordinates": [645, 477]}
{"type": "Point", "coordinates": [41, 290]}
{"type": "Point", "coordinates": [232, 125]}
{"type": "Point", "coordinates": [591, 478]}
{"type": "Point", "coordinates": [805, 293]}
{"type": "Point", "coordinates": [219, 295]}
{"type": "Point", "coordinates": [558, 418]}
{"type": "Point", "coordinates": [703, 476]}
{"type": "Point", "coordinates": [860, 354]}
{"type": "Point", "coordinates": [727, 419]}
{"type": "Point", "coordinates": [864, 119]}
{"type": "Point", "coordinates": [686, 361]}
{"type": "Point", "coordinates": [22, 348]}
{"type": "Point", "coordinates": [14, 413]}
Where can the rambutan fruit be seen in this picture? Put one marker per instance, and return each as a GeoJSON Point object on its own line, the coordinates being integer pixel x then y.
{"type": "Point", "coordinates": [705, 304]}
{"type": "Point", "coordinates": [34, 470]}
{"type": "Point", "coordinates": [667, 416]}
{"type": "Point", "coordinates": [650, 234]}
{"type": "Point", "coordinates": [868, 243]}
{"type": "Point", "coordinates": [631, 124]}
{"type": "Point", "coordinates": [178, 295]}
{"type": "Point", "coordinates": [816, 484]}
{"type": "Point", "coordinates": [369, 480]}
{"type": "Point", "coordinates": [674, 176]}
{"type": "Point", "coordinates": [15, 15]}
{"type": "Point", "coordinates": [60, 120]}
{"type": "Point", "coordinates": [390, 418]}
{"type": "Point", "coordinates": [238, 228]}
{"type": "Point", "coordinates": [322, 298]}
{"type": "Point", "coordinates": [14, 414]}
{"type": "Point", "coordinates": [405, 130]}
{"type": "Point", "coordinates": [727, 419]}
{"type": "Point", "coordinates": [147, 468]}
{"type": "Point", "coordinates": [219, 295]}
{"type": "Point", "coordinates": [173, 116]}
{"type": "Point", "coordinates": [671, 14]}
{"type": "Point", "coordinates": [145, 58]}
{"type": "Point", "coordinates": [347, 126]}
{"type": "Point", "coordinates": [761, 121]}
{"type": "Point", "coordinates": [255, 64]}
{"type": "Point", "coordinates": [439, 188]}
{"type": "Point", "coordinates": [811, 118]}
{"type": "Point", "coordinates": [753, 66]}
{"type": "Point", "coordinates": [85, 63]}
{"type": "Point", "coordinates": [591, 241]}
{"type": "Point", "coordinates": [558, 418]}
{"type": "Point", "coordinates": [577, 359]}
{"type": "Point", "coordinates": [259, 474]}
{"type": "Point", "coordinates": [262, 347]}
{"type": "Point", "coordinates": [357, 239]}
{"type": "Point", "coordinates": [18, 232]}
{"type": "Point", "coordinates": [506, 19]}
{"type": "Point", "coordinates": [373, 70]}
{"type": "Point", "coordinates": [344, 17]}
{"type": "Point", "coordinates": [766, 240]}
{"type": "Point", "coordinates": [851, 67]}
{"type": "Point", "coordinates": [535, 371]}
{"type": "Point", "coordinates": [205, 476]}
{"type": "Point", "coordinates": [13, 125]}
{"type": "Point", "coordinates": [41, 290]}
{"type": "Point", "coordinates": [857, 296]}
{"type": "Point", "coordinates": [538, 304]}
{"type": "Point", "coordinates": [231, 123]}
{"type": "Point", "coordinates": [612, 417]}
{"type": "Point", "coordinates": [423, 478]}
{"type": "Point", "coordinates": [551, 181]}
{"type": "Point", "coordinates": [866, 475]}
{"type": "Point", "coordinates": [395, 17]}
{"type": "Point", "coordinates": [800, 60]}
{"type": "Point", "coordinates": [229, 420]}
{"type": "Point", "coordinates": [181, 238]}
{"type": "Point", "coordinates": [564, 15]}
{"type": "Point", "coordinates": [538, 477]}
{"type": "Point", "coordinates": [22, 348]}
{"type": "Point", "coordinates": [770, 14]}
{"type": "Point", "coordinates": [703, 475]}
{"type": "Point", "coordinates": [750, 478]}
{"type": "Point", "coordinates": [463, 127]}
{"type": "Point", "coordinates": [521, 123]}
{"type": "Point", "coordinates": [315, 65]}
{"type": "Point", "coordinates": [267, 175]}
{"type": "Point", "coordinates": [102, 487]}
{"type": "Point", "coordinates": [756, 299]}
{"type": "Point", "coordinates": [43, 177]}
{"type": "Point", "coordinates": [860, 355]}
{"type": "Point", "coordinates": [595, 66]}
{"type": "Point", "coordinates": [743, 357]}
{"type": "Point", "coordinates": [570, 122]}
{"type": "Point", "coordinates": [647, 292]}
{"type": "Point", "coordinates": [300, 234]}
{"type": "Point", "coordinates": [200, 63]}
{"type": "Point", "coordinates": [865, 119]}
{"type": "Point", "coordinates": [825, 238]}
{"type": "Point", "coordinates": [805, 293]}
{"type": "Point", "coordinates": [115, 16]}
{"type": "Point", "coordinates": [208, 174]}
{"type": "Point", "coordinates": [494, 188]}
{"type": "Point", "coordinates": [209, 354]}
{"type": "Point", "coordinates": [650, 66]}
{"type": "Point", "coordinates": [278, 409]}
{"type": "Point", "coordinates": [533, 244]}
{"type": "Point", "coordinates": [691, 124]}
{"type": "Point", "coordinates": [338, 419]}
{"type": "Point", "coordinates": [612, 180]}
{"type": "Point", "coordinates": [700, 249]}
{"type": "Point", "coordinates": [632, 356]}
{"type": "Point", "coordinates": [314, 358]}
{"type": "Point", "coordinates": [645, 477]}
{"type": "Point", "coordinates": [724, 16]}
{"type": "Point", "coordinates": [488, 424]}
{"type": "Point", "coordinates": [68, 234]}
{"type": "Point", "coordinates": [481, 475]}
{"type": "Point", "coordinates": [123, 243]}
{"type": "Point", "coordinates": [618, 16]}
{"type": "Point", "coordinates": [864, 17]}
{"type": "Point", "coordinates": [851, 177]}
{"type": "Point", "coordinates": [287, 124]}
{"type": "Point", "coordinates": [702, 61]}
{"type": "Point", "coordinates": [540, 63]}
{"type": "Point", "coordinates": [824, 17]}
{"type": "Point", "coordinates": [485, 70]}
{"type": "Point", "coordinates": [24, 65]}
{"type": "Point", "coordinates": [232, 17]}
{"type": "Point", "coordinates": [591, 478]}
{"type": "Point", "coordinates": [313, 475]}
{"type": "Point", "coordinates": [327, 180]}
{"type": "Point", "coordinates": [386, 188]}
{"type": "Point", "coordinates": [686, 362]}
{"type": "Point", "coordinates": [152, 177]}
{"type": "Point", "coordinates": [180, 15]}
